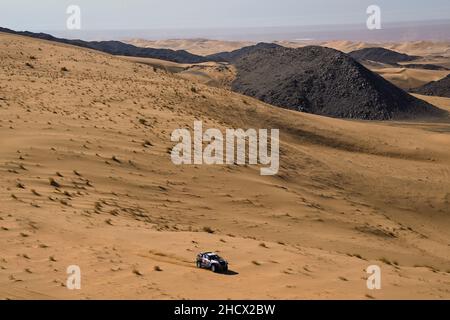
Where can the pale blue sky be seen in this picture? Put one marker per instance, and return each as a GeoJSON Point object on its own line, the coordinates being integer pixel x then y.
{"type": "Point", "coordinates": [36, 15]}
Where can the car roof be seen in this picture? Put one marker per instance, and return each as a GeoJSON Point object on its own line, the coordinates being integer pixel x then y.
{"type": "Point", "coordinates": [209, 253]}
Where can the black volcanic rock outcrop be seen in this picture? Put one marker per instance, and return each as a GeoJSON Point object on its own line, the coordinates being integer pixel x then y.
{"type": "Point", "coordinates": [381, 55]}
{"type": "Point", "coordinates": [440, 88]}
{"type": "Point", "coordinates": [118, 48]}
{"type": "Point", "coordinates": [326, 82]}
{"type": "Point", "coordinates": [236, 54]}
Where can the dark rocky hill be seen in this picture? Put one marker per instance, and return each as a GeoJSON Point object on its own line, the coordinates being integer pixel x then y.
{"type": "Point", "coordinates": [440, 88]}
{"type": "Point", "coordinates": [326, 82]}
{"type": "Point", "coordinates": [236, 54]}
{"type": "Point", "coordinates": [381, 55]}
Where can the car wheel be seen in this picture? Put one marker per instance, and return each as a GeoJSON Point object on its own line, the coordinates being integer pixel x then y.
{"type": "Point", "coordinates": [199, 265]}
{"type": "Point", "coordinates": [213, 268]}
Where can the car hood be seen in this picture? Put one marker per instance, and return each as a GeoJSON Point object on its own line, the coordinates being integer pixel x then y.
{"type": "Point", "coordinates": [219, 261]}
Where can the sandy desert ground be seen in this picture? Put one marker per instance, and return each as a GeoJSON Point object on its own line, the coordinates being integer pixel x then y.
{"type": "Point", "coordinates": [216, 74]}
{"type": "Point", "coordinates": [87, 180]}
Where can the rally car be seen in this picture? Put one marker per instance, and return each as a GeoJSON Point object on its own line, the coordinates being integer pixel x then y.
{"type": "Point", "coordinates": [210, 260]}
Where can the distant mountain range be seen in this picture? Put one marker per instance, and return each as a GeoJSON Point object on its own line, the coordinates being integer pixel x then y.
{"type": "Point", "coordinates": [431, 30]}
{"type": "Point", "coordinates": [118, 48]}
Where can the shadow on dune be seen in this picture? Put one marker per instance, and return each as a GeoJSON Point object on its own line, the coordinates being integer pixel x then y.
{"type": "Point", "coordinates": [230, 273]}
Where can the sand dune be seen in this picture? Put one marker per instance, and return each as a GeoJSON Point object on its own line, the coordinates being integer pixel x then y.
{"type": "Point", "coordinates": [410, 78]}
{"type": "Point", "coordinates": [202, 47]}
{"type": "Point", "coordinates": [86, 179]}
{"type": "Point", "coordinates": [422, 48]}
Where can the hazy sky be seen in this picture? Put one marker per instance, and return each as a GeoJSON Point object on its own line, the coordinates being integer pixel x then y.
{"type": "Point", "coordinates": [36, 15]}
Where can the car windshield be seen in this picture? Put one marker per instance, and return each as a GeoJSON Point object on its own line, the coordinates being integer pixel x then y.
{"type": "Point", "coordinates": [214, 257]}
